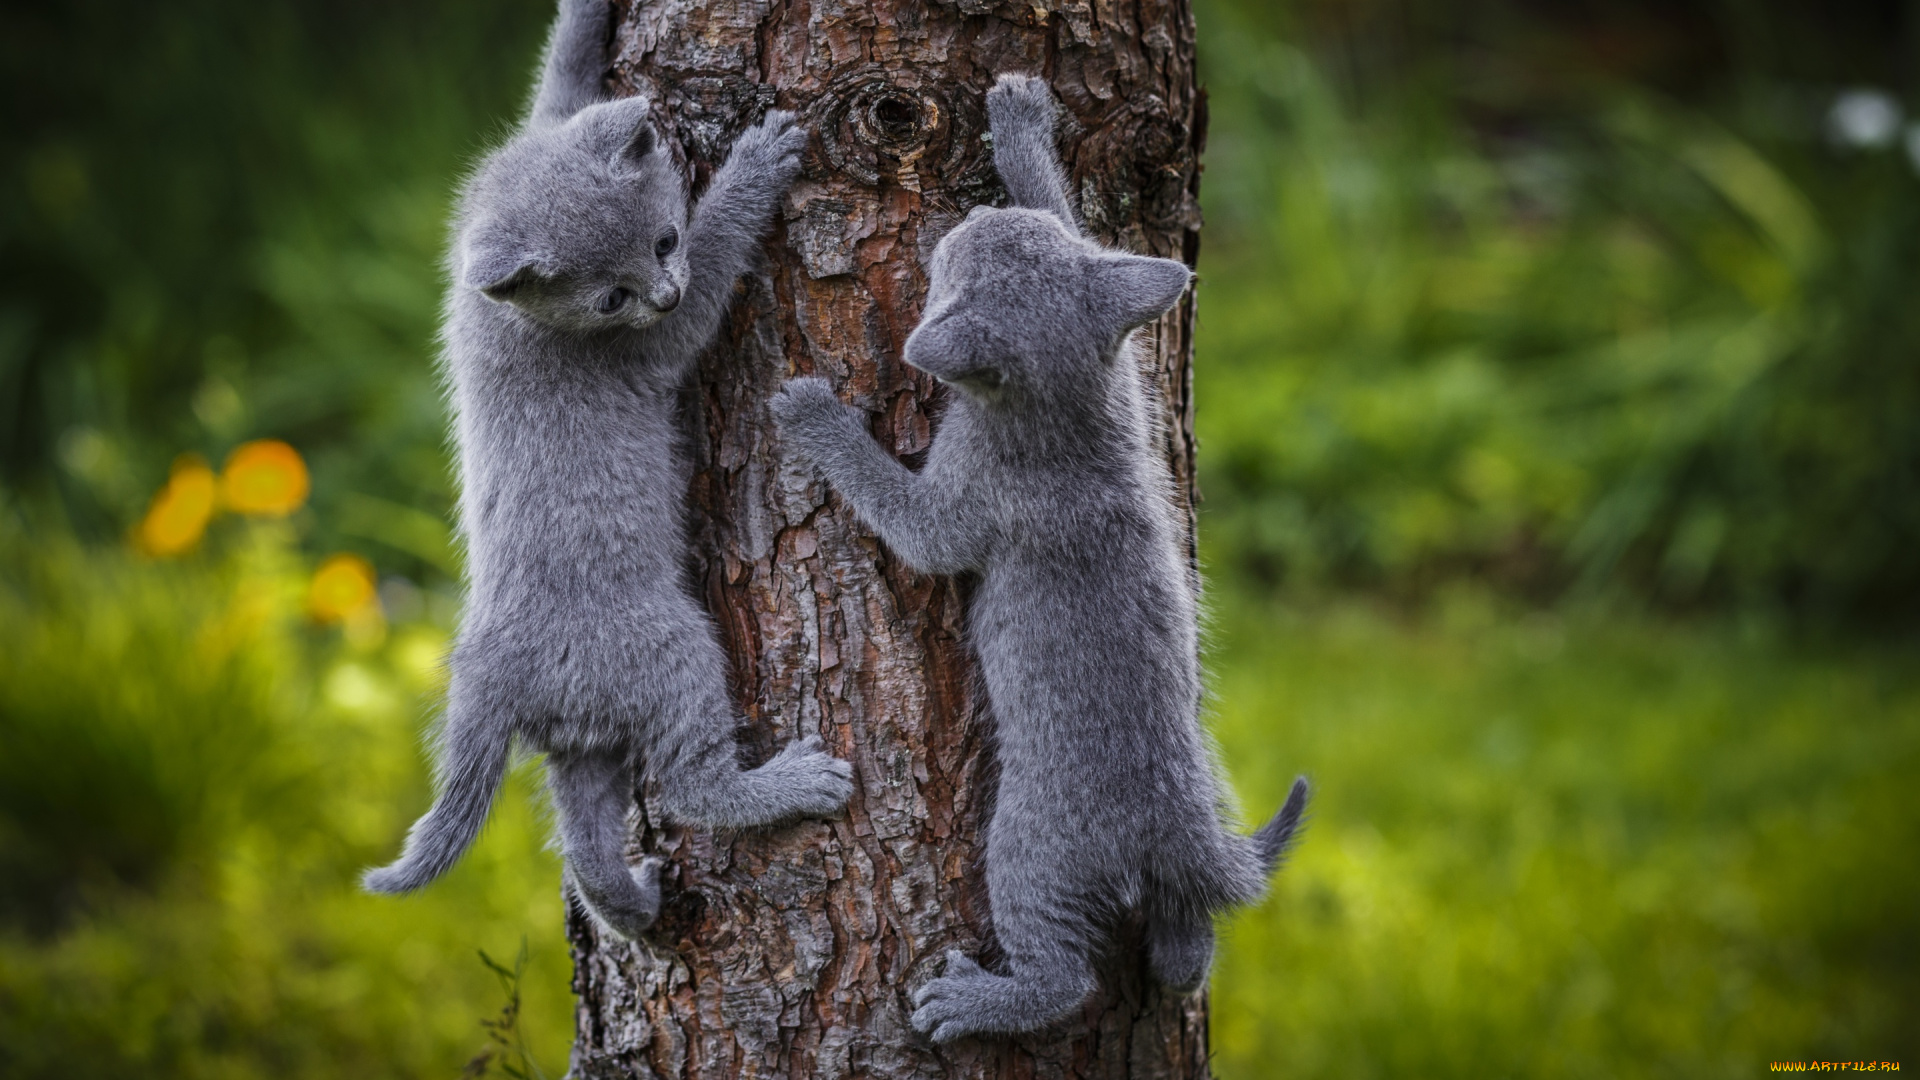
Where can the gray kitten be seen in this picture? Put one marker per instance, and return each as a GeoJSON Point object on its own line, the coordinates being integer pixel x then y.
{"type": "Point", "coordinates": [581, 296]}
{"type": "Point", "coordinates": [1044, 481]}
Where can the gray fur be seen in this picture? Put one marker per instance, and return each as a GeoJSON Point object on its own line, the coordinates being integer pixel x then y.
{"type": "Point", "coordinates": [581, 637]}
{"type": "Point", "coordinates": [1043, 480]}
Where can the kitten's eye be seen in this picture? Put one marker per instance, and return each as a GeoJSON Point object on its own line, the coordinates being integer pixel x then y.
{"type": "Point", "coordinates": [614, 300]}
{"type": "Point", "coordinates": [667, 243]}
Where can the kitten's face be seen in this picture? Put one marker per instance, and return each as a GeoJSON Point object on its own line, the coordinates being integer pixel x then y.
{"type": "Point", "coordinates": [1020, 307]}
{"type": "Point", "coordinates": [581, 228]}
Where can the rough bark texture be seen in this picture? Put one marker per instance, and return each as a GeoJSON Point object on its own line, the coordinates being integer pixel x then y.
{"type": "Point", "coordinates": [792, 953]}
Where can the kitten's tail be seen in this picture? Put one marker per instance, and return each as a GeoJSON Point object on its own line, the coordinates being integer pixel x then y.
{"type": "Point", "coordinates": [1278, 836]}
{"type": "Point", "coordinates": [475, 759]}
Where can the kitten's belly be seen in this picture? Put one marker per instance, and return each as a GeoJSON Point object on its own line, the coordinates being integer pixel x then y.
{"type": "Point", "coordinates": [593, 646]}
{"type": "Point", "coordinates": [581, 570]}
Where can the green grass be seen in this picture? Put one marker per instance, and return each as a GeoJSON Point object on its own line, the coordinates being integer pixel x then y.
{"type": "Point", "coordinates": [1569, 846]}
{"type": "Point", "coordinates": [193, 778]}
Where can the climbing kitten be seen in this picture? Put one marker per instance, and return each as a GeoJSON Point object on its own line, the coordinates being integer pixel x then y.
{"type": "Point", "coordinates": [581, 296]}
{"type": "Point", "coordinates": [1043, 480]}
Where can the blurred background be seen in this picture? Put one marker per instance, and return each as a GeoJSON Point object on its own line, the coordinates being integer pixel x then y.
{"type": "Point", "coordinates": [1559, 371]}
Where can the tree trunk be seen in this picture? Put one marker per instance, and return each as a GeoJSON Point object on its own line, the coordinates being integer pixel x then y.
{"type": "Point", "coordinates": [792, 953]}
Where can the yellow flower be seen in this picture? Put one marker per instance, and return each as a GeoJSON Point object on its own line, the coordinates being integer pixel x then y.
{"type": "Point", "coordinates": [265, 477]}
{"type": "Point", "coordinates": [179, 513]}
{"type": "Point", "coordinates": [342, 588]}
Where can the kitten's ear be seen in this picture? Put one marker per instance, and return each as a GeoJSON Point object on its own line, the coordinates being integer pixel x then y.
{"type": "Point", "coordinates": [1131, 290]}
{"type": "Point", "coordinates": [623, 130]}
{"type": "Point", "coordinates": [954, 350]}
{"type": "Point", "coordinates": [502, 276]}
{"type": "Point", "coordinates": [639, 144]}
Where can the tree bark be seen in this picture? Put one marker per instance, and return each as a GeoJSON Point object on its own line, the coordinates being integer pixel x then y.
{"type": "Point", "coordinates": [792, 952]}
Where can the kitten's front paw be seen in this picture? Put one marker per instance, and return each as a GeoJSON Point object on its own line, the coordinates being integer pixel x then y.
{"type": "Point", "coordinates": [802, 398]}
{"type": "Point", "coordinates": [770, 151]}
{"type": "Point", "coordinates": [818, 783]}
{"type": "Point", "coordinates": [949, 1007]}
{"type": "Point", "coordinates": [809, 413]}
{"type": "Point", "coordinates": [1020, 101]}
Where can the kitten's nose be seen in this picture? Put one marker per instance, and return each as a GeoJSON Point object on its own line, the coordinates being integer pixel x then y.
{"type": "Point", "coordinates": [666, 301]}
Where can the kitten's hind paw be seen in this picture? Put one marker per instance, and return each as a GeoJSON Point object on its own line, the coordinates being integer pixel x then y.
{"type": "Point", "coordinates": [647, 874]}
{"type": "Point", "coordinates": [1180, 953]}
{"type": "Point", "coordinates": [952, 1006]}
{"type": "Point", "coordinates": [625, 914]}
{"type": "Point", "coordinates": [813, 782]}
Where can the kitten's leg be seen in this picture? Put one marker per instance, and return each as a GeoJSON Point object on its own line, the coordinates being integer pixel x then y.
{"type": "Point", "coordinates": [802, 780]}
{"type": "Point", "coordinates": [593, 793]}
{"type": "Point", "coordinates": [1038, 919]}
{"type": "Point", "coordinates": [1180, 949]}
{"type": "Point", "coordinates": [1021, 113]}
{"type": "Point", "coordinates": [926, 523]}
{"type": "Point", "coordinates": [725, 234]}
{"type": "Point", "coordinates": [575, 70]}
{"type": "Point", "coordinates": [689, 748]}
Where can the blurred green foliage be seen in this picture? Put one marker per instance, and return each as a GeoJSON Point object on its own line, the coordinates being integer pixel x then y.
{"type": "Point", "coordinates": [193, 778]}
{"type": "Point", "coordinates": [1555, 844]}
{"type": "Point", "coordinates": [223, 221]}
{"type": "Point", "coordinates": [1509, 312]}
{"type": "Point", "coordinates": [1482, 297]}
